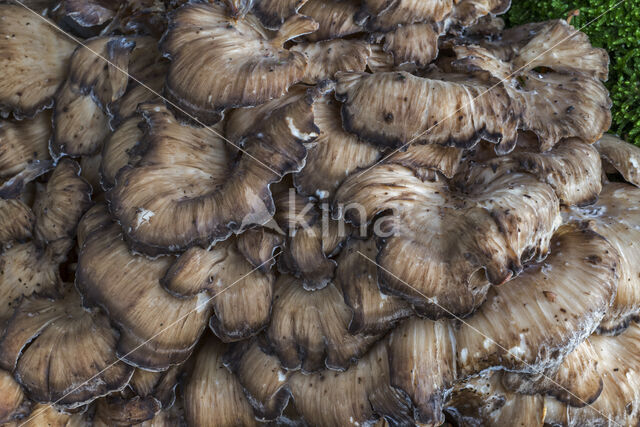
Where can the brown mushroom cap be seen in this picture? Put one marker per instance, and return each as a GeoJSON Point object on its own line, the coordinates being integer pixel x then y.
{"type": "Point", "coordinates": [576, 382]}
{"type": "Point", "coordinates": [62, 353]}
{"type": "Point", "coordinates": [240, 294]}
{"type": "Point", "coordinates": [87, 17]}
{"type": "Point", "coordinates": [372, 311]}
{"type": "Point", "coordinates": [13, 404]}
{"type": "Point", "coordinates": [202, 35]}
{"type": "Point", "coordinates": [495, 225]}
{"type": "Point", "coordinates": [335, 154]}
{"type": "Point", "coordinates": [616, 217]}
{"type": "Point", "coordinates": [425, 160]}
{"type": "Point", "coordinates": [160, 386]}
{"type": "Point", "coordinates": [573, 169]}
{"type": "Point", "coordinates": [33, 267]}
{"type": "Point", "coordinates": [395, 108]}
{"type": "Point", "coordinates": [618, 363]}
{"type": "Point", "coordinates": [274, 13]}
{"type": "Point", "coordinates": [570, 79]}
{"type": "Point", "coordinates": [487, 401]}
{"type": "Point", "coordinates": [205, 195]}
{"type": "Point", "coordinates": [335, 18]}
{"type": "Point", "coordinates": [213, 393]}
{"type": "Point", "coordinates": [118, 149]}
{"type": "Point", "coordinates": [156, 329]}
{"type": "Point", "coordinates": [623, 157]}
{"type": "Point", "coordinates": [16, 221]}
{"type": "Point", "coordinates": [36, 70]}
{"type": "Point", "coordinates": [115, 410]}
{"type": "Point", "coordinates": [23, 142]}
{"type": "Point", "coordinates": [365, 391]}
{"type": "Point", "coordinates": [414, 43]}
{"type": "Point", "coordinates": [380, 15]}
{"type": "Point", "coordinates": [309, 329]}
{"type": "Point", "coordinates": [326, 58]}
{"type": "Point", "coordinates": [47, 415]}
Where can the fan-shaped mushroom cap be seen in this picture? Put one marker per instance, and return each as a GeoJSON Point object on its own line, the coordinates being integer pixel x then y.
{"type": "Point", "coordinates": [485, 400]}
{"type": "Point", "coordinates": [251, 67]}
{"type": "Point", "coordinates": [16, 221]}
{"type": "Point", "coordinates": [23, 142]}
{"type": "Point", "coordinates": [357, 277]}
{"type": "Point", "coordinates": [80, 125]}
{"type": "Point", "coordinates": [309, 329]}
{"type": "Point", "coordinates": [87, 17]}
{"type": "Point", "coordinates": [616, 216]}
{"type": "Point", "coordinates": [326, 58]}
{"type": "Point", "coordinates": [579, 104]}
{"type": "Point", "coordinates": [213, 393]}
{"type": "Point", "coordinates": [335, 18]}
{"type": "Point", "coordinates": [393, 109]}
{"type": "Point", "coordinates": [572, 289]}
{"type": "Point", "coordinates": [62, 353]}
{"type": "Point", "coordinates": [623, 157]}
{"type": "Point", "coordinates": [116, 410]}
{"type": "Point", "coordinates": [414, 43]}
{"type": "Point", "coordinates": [147, 71]}
{"type": "Point", "coordinates": [381, 15]}
{"type": "Point", "coordinates": [274, 13]}
{"type": "Point", "coordinates": [259, 247]}
{"type": "Point", "coordinates": [365, 391]}
{"type": "Point", "coordinates": [13, 404]}
{"type": "Point", "coordinates": [34, 61]}
{"type": "Point", "coordinates": [33, 267]}
{"type": "Point", "coordinates": [425, 160]}
{"type": "Point", "coordinates": [572, 168]}
{"type": "Point", "coordinates": [576, 382]}
{"type": "Point", "coordinates": [205, 196]}
{"type": "Point", "coordinates": [335, 154]}
{"type": "Point", "coordinates": [466, 12]}
{"type": "Point", "coordinates": [495, 227]}
{"type": "Point", "coordinates": [619, 402]}
{"type": "Point", "coordinates": [239, 293]}
{"type": "Point", "coordinates": [88, 71]}
{"type": "Point", "coordinates": [60, 204]}
{"type": "Point", "coordinates": [47, 415]}
{"type": "Point", "coordinates": [156, 328]}
{"type": "Point", "coordinates": [118, 149]}
{"type": "Point", "coordinates": [157, 385]}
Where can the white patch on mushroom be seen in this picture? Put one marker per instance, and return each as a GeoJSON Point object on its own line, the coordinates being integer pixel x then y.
{"type": "Point", "coordinates": [520, 349]}
{"type": "Point", "coordinates": [143, 217]}
{"type": "Point", "coordinates": [322, 194]}
{"type": "Point", "coordinates": [487, 343]}
{"type": "Point", "coordinates": [297, 133]}
{"type": "Point", "coordinates": [634, 163]}
{"type": "Point", "coordinates": [281, 377]}
{"type": "Point", "coordinates": [463, 355]}
{"type": "Point", "coordinates": [202, 302]}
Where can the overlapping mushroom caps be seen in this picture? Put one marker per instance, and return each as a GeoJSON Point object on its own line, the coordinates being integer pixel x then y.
{"type": "Point", "coordinates": [527, 326]}
{"type": "Point", "coordinates": [251, 66]}
{"type": "Point", "coordinates": [373, 160]}
{"type": "Point", "coordinates": [207, 193]}
{"type": "Point", "coordinates": [486, 400]}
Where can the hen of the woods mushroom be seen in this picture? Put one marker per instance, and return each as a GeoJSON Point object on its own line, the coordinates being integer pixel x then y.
{"type": "Point", "coordinates": [321, 212]}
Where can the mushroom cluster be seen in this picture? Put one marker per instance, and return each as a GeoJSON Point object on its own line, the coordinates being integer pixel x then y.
{"type": "Point", "coordinates": [311, 212]}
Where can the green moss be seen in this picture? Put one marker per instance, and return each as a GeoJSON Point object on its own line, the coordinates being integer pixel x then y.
{"type": "Point", "coordinates": [618, 31]}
